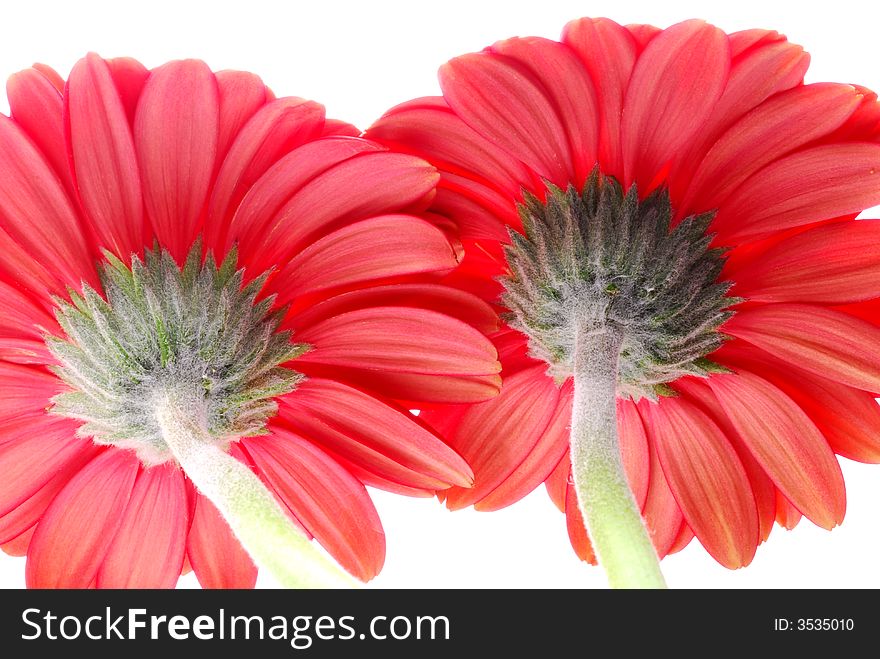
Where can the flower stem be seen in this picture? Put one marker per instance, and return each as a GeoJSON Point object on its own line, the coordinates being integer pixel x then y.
{"type": "Point", "coordinates": [614, 523]}
{"type": "Point", "coordinates": [252, 512]}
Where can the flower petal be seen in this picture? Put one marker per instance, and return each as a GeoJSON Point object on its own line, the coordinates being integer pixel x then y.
{"type": "Point", "coordinates": [577, 530]}
{"type": "Point", "coordinates": [175, 134]}
{"type": "Point", "coordinates": [495, 437]}
{"type": "Point", "coordinates": [332, 504]}
{"type": "Point", "coordinates": [104, 161]}
{"type": "Point", "coordinates": [41, 451]}
{"type": "Point", "coordinates": [830, 264]}
{"type": "Point", "coordinates": [384, 348]}
{"type": "Point", "coordinates": [786, 443]}
{"type": "Point", "coordinates": [240, 95]}
{"type": "Point", "coordinates": [818, 183]}
{"type": "Point", "coordinates": [374, 434]}
{"type": "Point", "coordinates": [216, 556]}
{"type": "Point", "coordinates": [786, 514]}
{"type": "Point", "coordinates": [506, 105]}
{"type": "Point", "coordinates": [148, 549]}
{"type": "Point", "coordinates": [541, 460]}
{"type": "Point", "coordinates": [674, 87]}
{"type": "Point", "coordinates": [25, 391]}
{"type": "Point", "coordinates": [608, 52]}
{"type": "Point", "coordinates": [707, 480]}
{"type": "Point", "coordinates": [450, 301]}
{"type": "Point", "coordinates": [782, 124]}
{"type": "Point", "coordinates": [829, 343]}
{"type": "Point", "coordinates": [77, 529]}
{"type": "Point", "coordinates": [377, 248]}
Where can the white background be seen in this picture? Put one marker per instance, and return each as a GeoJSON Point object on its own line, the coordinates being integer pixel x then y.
{"type": "Point", "coordinates": [359, 58]}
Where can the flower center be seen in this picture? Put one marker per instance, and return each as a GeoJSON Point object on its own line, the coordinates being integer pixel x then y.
{"type": "Point", "coordinates": [196, 334]}
{"type": "Point", "coordinates": [602, 259]}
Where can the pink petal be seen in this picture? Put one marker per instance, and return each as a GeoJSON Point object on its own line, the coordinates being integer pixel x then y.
{"type": "Point", "coordinates": [830, 264]}
{"type": "Point", "coordinates": [829, 343]}
{"type": "Point", "coordinates": [568, 87]}
{"type": "Point", "coordinates": [276, 129]}
{"type": "Point", "coordinates": [786, 443]}
{"type": "Point", "coordinates": [786, 514]}
{"type": "Point", "coordinates": [495, 437]}
{"type": "Point", "coordinates": [34, 457]}
{"type": "Point", "coordinates": [698, 393]}
{"type": "Point", "coordinates": [261, 207]}
{"type": "Point", "coordinates": [374, 434]}
{"type": "Point", "coordinates": [19, 545]}
{"type": "Point", "coordinates": [240, 95]}
{"type": "Point", "coordinates": [36, 212]}
{"type": "Point", "coordinates": [175, 134]}
{"type": "Point", "coordinates": [76, 531]}
{"type": "Point", "coordinates": [148, 549]}
{"type": "Point", "coordinates": [217, 557]}
{"type": "Point", "coordinates": [577, 530]}
{"type": "Point", "coordinates": [25, 391]}
{"type": "Point", "coordinates": [557, 482]}
{"type": "Point", "coordinates": [384, 348]}
{"type": "Point", "coordinates": [764, 64]}
{"type": "Point", "coordinates": [26, 515]}
{"type": "Point", "coordinates": [332, 504]}
{"type": "Point", "coordinates": [129, 77]}
{"type": "Point", "coordinates": [551, 446]}
{"type": "Point", "coordinates": [778, 126]}
{"type": "Point", "coordinates": [815, 184]}
{"type": "Point", "coordinates": [449, 301]}
{"type": "Point", "coordinates": [682, 540]}
{"type": "Point", "coordinates": [674, 87]}
{"type": "Point", "coordinates": [377, 248]}
{"type": "Point", "coordinates": [661, 513]}
{"type": "Point", "coordinates": [36, 105]}
{"type": "Point", "coordinates": [707, 480]}
{"type": "Point", "coordinates": [608, 52]}
{"type": "Point", "coordinates": [104, 162]}
{"type": "Point", "coordinates": [365, 185]}
{"type": "Point", "coordinates": [504, 103]}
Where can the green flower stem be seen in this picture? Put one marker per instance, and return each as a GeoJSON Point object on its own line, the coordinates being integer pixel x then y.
{"type": "Point", "coordinates": [253, 513]}
{"type": "Point", "coordinates": [612, 518]}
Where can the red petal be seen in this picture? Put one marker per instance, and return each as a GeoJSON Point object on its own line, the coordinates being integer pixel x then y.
{"type": "Point", "coordinates": [332, 504]}
{"type": "Point", "coordinates": [830, 264]}
{"type": "Point", "coordinates": [661, 513]}
{"type": "Point", "coordinates": [449, 301]}
{"type": "Point", "coordinates": [634, 450]}
{"type": "Point", "coordinates": [779, 126]}
{"type": "Point", "coordinates": [385, 349]}
{"type": "Point", "coordinates": [104, 161]}
{"type": "Point", "coordinates": [557, 482]}
{"type": "Point", "coordinates": [175, 132]}
{"type": "Point", "coordinates": [815, 184]}
{"type": "Point", "coordinates": [577, 530]}
{"type": "Point", "coordinates": [495, 437]}
{"type": "Point", "coordinates": [36, 105]}
{"type": "Point", "coordinates": [276, 129]}
{"type": "Point", "coordinates": [698, 393]}
{"type": "Point", "coordinates": [377, 248]}
{"type": "Point", "coordinates": [829, 343]}
{"type": "Point", "coordinates": [240, 95]}
{"type": "Point", "coordinates": [216, 556]}
{"type": "Point", "coordinates": [707, 480]}
{"type": "Point", "coordinates": [148, 550]}
{"type": "Point", "coordinates": [25, 391]}
{"type": "Point", "coordinates": [674, 87]}
{"type": "Point", "coordinates": [682, 540]}
{"type": "Point", "coordinates": [786, 514]}
{"type": "Point", "coordinates": [77, 529]}
{"type": "Point", "coordinates": [19, 545]}
{"type": "Point", "coordinates": [42, 449]}
{"type": "Point", "coordinates": [786, 443]}
{"type": "Point", "coordinates": [541, 460]}
{"type": "Point", "coordinates": [129, 76]}
{"type": "Point", "coordinates": [365, 185]}
{"type": "Point", "coordinates": [504, 103]}
{"type": "Point", "coordinates": [568, 87]}
{"type": "Point", "coordinates": [374, 434]}
{"type": "Point", "coordinates": [608, 52]}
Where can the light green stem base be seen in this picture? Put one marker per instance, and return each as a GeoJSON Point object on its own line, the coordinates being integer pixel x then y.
{"type": "Point", "coordinates": [251, 511]}
{"type": "Point", "coordinates": [614, 523]}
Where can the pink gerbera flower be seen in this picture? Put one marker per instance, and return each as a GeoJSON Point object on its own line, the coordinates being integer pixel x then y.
{"type": "Point", "coordinates": [683, 270]}
{"type": "Point", "coordinates": [163, 235]}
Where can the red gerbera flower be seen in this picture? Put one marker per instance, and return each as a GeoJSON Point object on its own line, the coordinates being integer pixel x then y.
{"type": "Point", "coordinates": [683, 258]}
{"type": "Point", "coordinates": [163, 234]}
